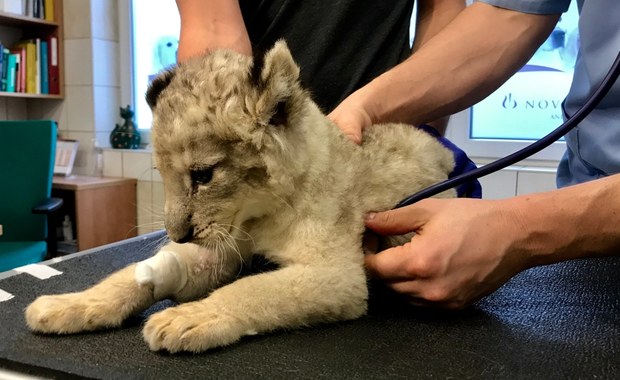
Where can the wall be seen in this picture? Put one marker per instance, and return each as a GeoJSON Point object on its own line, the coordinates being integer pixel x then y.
{"type": "Point", "coordinates": [92, 87]}
{"type": "Point", "coordinates": [92, 84]}
{"type": "Point", "coordinates": [518, 180]}
{"type": "Point", "coordinates": [137, 164]}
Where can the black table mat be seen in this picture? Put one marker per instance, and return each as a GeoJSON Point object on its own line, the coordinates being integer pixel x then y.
{"type": "Point", "coordinates": [560, 321]}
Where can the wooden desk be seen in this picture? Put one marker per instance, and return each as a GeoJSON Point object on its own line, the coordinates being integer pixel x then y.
{"type": "Point", "coordinates": [103, 210]}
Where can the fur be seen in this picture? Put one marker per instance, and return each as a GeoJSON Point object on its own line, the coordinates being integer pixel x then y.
{"type": "Point", "coordinates": [251, 165]}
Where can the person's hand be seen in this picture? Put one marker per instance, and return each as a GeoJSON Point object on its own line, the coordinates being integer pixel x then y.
{"type": "Point", "coordinates": [352, 119]}
{"type": "Point", "coordinates": [463, 250]}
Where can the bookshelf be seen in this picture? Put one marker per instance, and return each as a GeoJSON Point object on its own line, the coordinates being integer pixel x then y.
{"type": "Point", "coordinates": [25, 27]}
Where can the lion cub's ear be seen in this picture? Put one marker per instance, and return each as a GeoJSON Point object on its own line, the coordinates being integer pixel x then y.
{"type": "Point", "coordinates": [277, 80]}
{"type": "Point", "coordinates": [157, 86]}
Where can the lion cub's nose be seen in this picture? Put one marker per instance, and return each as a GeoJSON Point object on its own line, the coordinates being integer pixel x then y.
{"type": "Point", "coordinates": [184, 239]}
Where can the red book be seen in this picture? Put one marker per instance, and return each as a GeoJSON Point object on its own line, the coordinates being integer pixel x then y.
{"type": "Point", "coordinates": [52, 65]}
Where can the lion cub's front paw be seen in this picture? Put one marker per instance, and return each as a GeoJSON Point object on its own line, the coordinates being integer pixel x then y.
{"type": "Point", "coordinates": [191, 327]}
{"type": "Point", "coordinates": [70, 313]}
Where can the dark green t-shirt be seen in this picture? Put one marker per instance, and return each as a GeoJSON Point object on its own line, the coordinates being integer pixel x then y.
{"type": "Point", "coordinates": [340, 44]}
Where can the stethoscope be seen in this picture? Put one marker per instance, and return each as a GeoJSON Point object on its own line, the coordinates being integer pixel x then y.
{"type": "Point", "coordinates": [529, 150]}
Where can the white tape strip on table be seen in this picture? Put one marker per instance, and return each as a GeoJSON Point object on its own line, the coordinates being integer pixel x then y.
{"type": "Point", "coordinates": [42, 272]}
{"type": "Point", "coordinates": [5, 296]}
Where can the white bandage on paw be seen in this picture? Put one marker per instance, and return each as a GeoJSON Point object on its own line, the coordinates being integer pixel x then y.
{"type": "Point", "coordinates": [165, 271]}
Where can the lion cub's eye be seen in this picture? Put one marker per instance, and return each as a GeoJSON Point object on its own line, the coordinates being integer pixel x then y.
{"type": "Point", "coordinates": [201, 176]}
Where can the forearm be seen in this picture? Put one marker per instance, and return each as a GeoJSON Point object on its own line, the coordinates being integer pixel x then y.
{"type": "Point", "coordinates": [575, 222]}
{"type": "Point", "coordinates": [433, 16]}
{"type": "Point", "coordinates": [212, 24]}
{"type": "Point", "coordinates": [466, 61]}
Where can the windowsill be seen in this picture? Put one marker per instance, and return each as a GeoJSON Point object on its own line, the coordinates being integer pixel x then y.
{"type": "Point", "coordinates": [145, 149]}
{"type": "Point", "coordinates": [525, 164]}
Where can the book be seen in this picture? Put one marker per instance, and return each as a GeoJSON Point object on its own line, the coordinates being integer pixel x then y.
{"type": "Point", "coordinates": [52, 65]}
{"type": "Point", "coordinates": [11, 70]}
{"type": "Point", "coordinates": [2, 80]}
{"type": "Point", "coordinates": [43, 66]}
{"type": "Point", "coordinates": [37, 65]}
{"type": "Point", "coordinates": [48, 5]}
{"type": "Point", "coordinates": [66, 150]}
{"type": "Point", "coordinates": [5, 64]}
{"type": "Point", "coordinates": [18, 78]}
{"type": "Point", "coordinates": [18, 69]}
{"type": "Point", "coordinates": [29, 8]}
{"type": "Point", "coordinates": [21, 72]}
{"type": "Point", "coordinates": [12, 6]}
{"type": "Point", "coordinates": [31, 65]}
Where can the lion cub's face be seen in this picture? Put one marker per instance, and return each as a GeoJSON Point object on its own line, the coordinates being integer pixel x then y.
{"type": "Point", "coordinates": [219, 123]}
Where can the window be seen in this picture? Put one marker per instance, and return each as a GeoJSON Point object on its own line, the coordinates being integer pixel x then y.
{"type": "Point", "coordinates": [149, 41]}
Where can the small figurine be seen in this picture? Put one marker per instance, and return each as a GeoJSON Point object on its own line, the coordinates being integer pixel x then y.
{"type": "Point", "coordinates": [125, 136]}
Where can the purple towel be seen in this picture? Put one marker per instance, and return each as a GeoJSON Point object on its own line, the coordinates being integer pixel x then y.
{"type": "Point", "coordinates": [463, 164]}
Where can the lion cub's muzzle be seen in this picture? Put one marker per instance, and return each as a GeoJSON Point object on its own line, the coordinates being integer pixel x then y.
{"type": "Point", "coordinates": [180, 230]}
{"type": "Point", "coordinates": [183, 238]}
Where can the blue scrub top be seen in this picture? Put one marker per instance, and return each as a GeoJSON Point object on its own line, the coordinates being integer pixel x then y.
{"type": "Point", "coordinates": [593, 148]}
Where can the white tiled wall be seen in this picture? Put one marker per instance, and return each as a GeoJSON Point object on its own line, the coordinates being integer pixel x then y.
{"type": "Point", "coordinates": [502, 184]}
{"type": "Point", "coordinates": [137, 164]}
{"type": "Point", "coordinates": [518, 180]}
{"type": "Point", "coordinates": [92, 82]}
{"type": "Point", "coordinates": [535, 180]}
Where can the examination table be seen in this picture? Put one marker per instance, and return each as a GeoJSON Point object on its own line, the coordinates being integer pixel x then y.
{"type": "Point", "coordinates": [559, 321]}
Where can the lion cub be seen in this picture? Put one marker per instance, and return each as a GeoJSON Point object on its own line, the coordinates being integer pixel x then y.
{"type": "Point", "coordinates": [251, 165]}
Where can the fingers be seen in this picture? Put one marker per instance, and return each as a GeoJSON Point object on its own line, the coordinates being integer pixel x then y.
{"type": "Point", "coordinates": [355, 136]}
{"type": "Point", "coordinates": [350, 129]}
{"type": "Point", "coordinates": [389, 265]}
{"type": "Point", "coordinates": [399, 221]}
{"type": "Point", "coordinates": [351, 118]}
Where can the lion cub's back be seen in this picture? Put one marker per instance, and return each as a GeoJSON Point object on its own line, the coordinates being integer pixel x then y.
{"type": "Point", "coordinates": [401, 160]}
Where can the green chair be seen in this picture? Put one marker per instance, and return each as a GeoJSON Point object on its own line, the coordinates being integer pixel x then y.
{"type": "Point", "coordinates": [27, 153]}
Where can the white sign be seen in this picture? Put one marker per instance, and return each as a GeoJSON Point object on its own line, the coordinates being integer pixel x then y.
{"type": "Point", "coordinates": [529, 105]}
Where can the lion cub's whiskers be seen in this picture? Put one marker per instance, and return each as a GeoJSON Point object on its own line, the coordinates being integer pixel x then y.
{"type": "Point", "coordinates": [217, 249]}
{"type": "Point", "coordinates": [225, 243]}
{"type": "Point", "coordinates": [283, 201]}
{"type": "Point", "coordinates": [241, 230]}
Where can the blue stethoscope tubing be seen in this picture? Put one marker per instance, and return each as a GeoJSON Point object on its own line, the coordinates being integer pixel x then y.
{"type": "Point", "coordinates": [529, 150]}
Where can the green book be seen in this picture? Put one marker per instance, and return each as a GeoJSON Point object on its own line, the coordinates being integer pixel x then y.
{"type": "Point", "coordinates": [11, 72]}
{"type": "Point", "coordinates": [5, 63]}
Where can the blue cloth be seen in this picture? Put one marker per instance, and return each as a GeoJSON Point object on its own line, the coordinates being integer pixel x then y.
{"type": "Point", "coordinates": [463, 164]}
{"type": "Point", "coordinates": [532, 6]}
{"type": "Point", "coordinates": [593, 148]}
